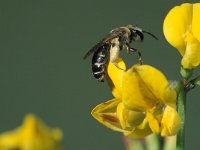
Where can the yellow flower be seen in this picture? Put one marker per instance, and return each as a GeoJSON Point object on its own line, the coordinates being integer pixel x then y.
{"type": "Point", "coordinates": [32, 135]}
{"type": "Point", "coordinates": [181, 29]}
{"type": "Point", "coordinates": [143, 103]}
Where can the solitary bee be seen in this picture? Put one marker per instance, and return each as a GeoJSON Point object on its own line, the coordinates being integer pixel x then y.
{"type": "Point", "coordinates": [109, 47]}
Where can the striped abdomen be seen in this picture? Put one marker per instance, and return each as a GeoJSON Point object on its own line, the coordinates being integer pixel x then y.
{"type": "Point", "coordinates": [99, 62]}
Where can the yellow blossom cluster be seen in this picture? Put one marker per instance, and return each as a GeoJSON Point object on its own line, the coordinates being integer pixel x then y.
{"type": "Point", "coordinates": [143, 102]}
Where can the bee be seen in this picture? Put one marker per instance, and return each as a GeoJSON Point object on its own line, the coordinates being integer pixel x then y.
{"type": "Point", "coordinates": [109, 47]}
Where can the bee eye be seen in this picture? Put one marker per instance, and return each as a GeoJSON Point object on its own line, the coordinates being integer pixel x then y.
{"type": "Point", "coordinates": [137, 36]}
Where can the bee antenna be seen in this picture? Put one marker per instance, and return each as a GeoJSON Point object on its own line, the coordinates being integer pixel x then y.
{"type": "Point", "coordinates": [150, 34]}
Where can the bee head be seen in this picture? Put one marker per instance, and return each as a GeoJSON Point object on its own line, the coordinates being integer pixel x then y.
{"type": "Point", "coordinates": [137, 34]}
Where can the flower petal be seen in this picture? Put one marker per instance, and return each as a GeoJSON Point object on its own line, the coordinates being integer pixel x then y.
{"type": "Point", "coordinates": [140, 131]}
{"type": "Point", "coordinates": [115, 76]}
{"type": "Point", "coordinates": [169, 96]}
{"type": "Point", "coordinates": [176, 23]}
{"type": "Point", "coordinates": [135, 118]}
{"type": "Point", "coordinates": [136, 95]}
{"type": "Point", "coordinates": [32, 135]}
{"type": "Point", "coordinates": [196, 21]}
{"type": "Point", "coordinates": [144, 86]}
{"type": "Point", "coordinates": [122, 113]}
{"type": "Point", "coordinates": [129, 119]}
{"type": "Point", "coordinates": [171, 122]}
{"type": "Point", "coordinates": [191, 58]}
{"type": "Point", "coordinates": [153, 122]}
{"type": "Point", "coordinates": [106, 114]}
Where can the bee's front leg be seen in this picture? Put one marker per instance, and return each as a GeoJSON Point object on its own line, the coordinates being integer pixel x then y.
{"type": "Point", "coordinates": [130, 49]}
{"type": "Point", "coordinates": [140, 58]}
{"type": "Point", "coordinates": [133, 49]}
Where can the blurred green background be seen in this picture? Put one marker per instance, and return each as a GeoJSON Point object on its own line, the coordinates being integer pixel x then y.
{"type": "Point", "coordinates": [42, 71]}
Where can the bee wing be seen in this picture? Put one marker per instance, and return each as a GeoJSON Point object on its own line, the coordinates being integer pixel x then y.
{"type": "Point", "coordinates": [106, 39]}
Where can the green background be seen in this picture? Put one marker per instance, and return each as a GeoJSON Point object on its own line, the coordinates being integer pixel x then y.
{"type": "Point", "coordinates": [42, 44]}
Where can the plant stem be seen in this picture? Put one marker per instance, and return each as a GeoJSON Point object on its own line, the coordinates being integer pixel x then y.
{"type": "Point", "coordinates": [180, 143]}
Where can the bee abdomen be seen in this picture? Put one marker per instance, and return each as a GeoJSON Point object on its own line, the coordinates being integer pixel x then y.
{"type": "Point", "coordinates": [99, 62]}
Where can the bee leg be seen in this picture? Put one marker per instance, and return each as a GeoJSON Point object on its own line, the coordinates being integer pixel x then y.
{"type": "Point", "coordinates": [140, 58]}
{"type": "Point", "coordinates": [133, 50]}
{"type": "Point", "coordinates": [139, 54]}
{"type": "Point", "coordinates": [130, 49]}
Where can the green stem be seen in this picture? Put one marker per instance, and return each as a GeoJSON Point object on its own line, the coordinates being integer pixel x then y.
{"type": "Point", "coordinates": [180, 143]}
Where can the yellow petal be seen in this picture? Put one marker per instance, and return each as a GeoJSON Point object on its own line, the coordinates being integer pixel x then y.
{"type": "Point", "coordinates": [196, 21]}
{"type": "Point", "coordinates": [106, 113]}
{"type": "Point", "coordinates": [115, 76]}
{"type": "Point", "coordinates": [136, 95]}
{"type": "Point", "coordinates": [140, 131]}
{"type": "Point", "coordinates": [169, 96]}
{"type": "Point", "coordinates": [153, 123]}
{"type": "Point", "coordinates": [134, 118]}
{"type": "Point", "coordinates": [171, 122]}
{"type": "Point", "coordinates": [129, 119]}
{"type": "Point", "coordinates": [144, 86]}
{"type": "Point", "coordinates": [33, 135]}
{"type": "Point", "coordinates": [191, 58]}
{"type": "Point", "coordinates": [122, 113]}
{"type": "Point", "coordinates": [176, 23]}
